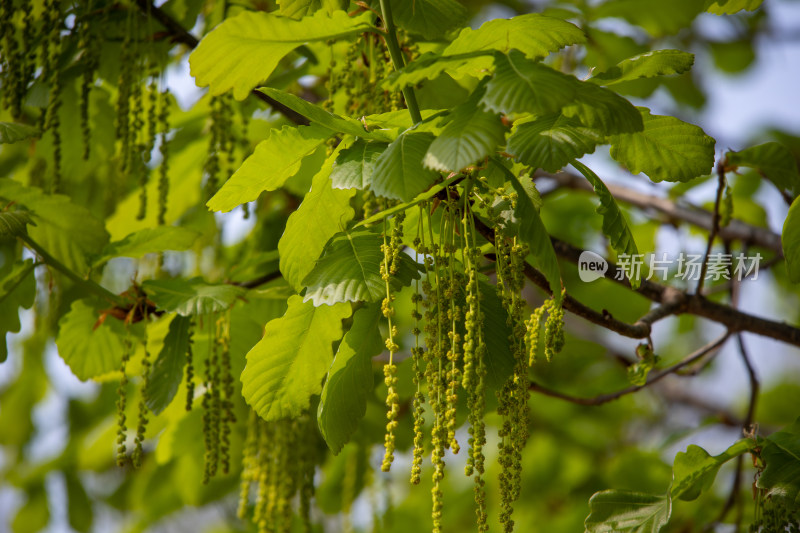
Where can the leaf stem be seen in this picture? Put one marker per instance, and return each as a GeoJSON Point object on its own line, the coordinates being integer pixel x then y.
{"type": "Point", "coordinates": [87, 284]}
{"type": "Point", "coordinates": [397, 60]}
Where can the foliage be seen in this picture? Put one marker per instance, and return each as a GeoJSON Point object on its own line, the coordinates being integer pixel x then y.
{"type": "Point", "coordinates": [381, 188]}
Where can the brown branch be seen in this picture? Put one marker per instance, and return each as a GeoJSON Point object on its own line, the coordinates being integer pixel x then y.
{"type": "Point", "coordinates": [714, 226]}
{"type": "Point", "coordinates": [180, 35]}
{"type": "Point", "coordinates": [736, 230]}
{"type": "Point", "coordinates": [655, 378]}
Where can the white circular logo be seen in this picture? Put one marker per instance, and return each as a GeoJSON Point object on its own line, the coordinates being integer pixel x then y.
{"type": "Point", "coordinates": [591, 266]}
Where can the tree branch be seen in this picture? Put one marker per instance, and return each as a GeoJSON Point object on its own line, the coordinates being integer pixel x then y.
{"type": "Point", "coordinates": [714, 226]}
{"type": "Point", "coordinates": [605, 398]}
{"type": "Point", "coordinates": [735, 230]}
{"type": "Point", "coordinates": [181, 35]}
{"type": "Point", "coordinates": [397, 60]}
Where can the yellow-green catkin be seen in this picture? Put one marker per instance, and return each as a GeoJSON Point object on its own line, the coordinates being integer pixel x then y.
{"type": "Point", "coordinates": [10, 60]}
{"type": "Point", "coordinates": [87, 45]}
{"type": "Point", "coordinates": [52, 72]}
{"type": "Point", "coordinates": [141, 428]}
{"type": "Point", "coordinates": [513, 398]}
{"type": "Point", "coordinates": [474, 367]}
{"type": "Point", "coordinates": [391, 258]}
{"type": "Point", "coordinates": [163, 169]}
{"type": "Point", "coordinates": [250, 468]}
{"type": "Point", "coordinates": [212, 165]}
{"type": "Point", "coordinates": [307, 469]}
{"type": "Point", "coordinates": [533, 326]}
{"type": "Point", "coordinates": [417, 359]}
{"type": "Point", "coordinates": [554, 336]}
{"type": "Point", "coordinates": [451, 293]}
{"type": "Point", "coordinates": [190, 370]}
{"type": "Point", "coordinates": [127, 74]}
{"type": "Point", "coordinates": [211, 409]}
{"type": "Point", "coordinates": [122, 429]}
{"type": "Point", "coordinates": [228, 417]}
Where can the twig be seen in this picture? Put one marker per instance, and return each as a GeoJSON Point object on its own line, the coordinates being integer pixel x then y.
{"type": "Point", "coordinates": [605, 398]}
{"type": "Point", "coordinates": [398, 61]}
{"type": "Point", "coordinates": [736, 230]}
{"type": "Point", "coordinates": [714, 225]}
{"type": "Point", "coordinates": [253, 283]}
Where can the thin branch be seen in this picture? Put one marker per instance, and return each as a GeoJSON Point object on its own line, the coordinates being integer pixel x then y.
{"type": "Point", "coordinates": [654, 378]}
{"type": "Point", "coordinates": [257, 282]}
{"type": "Point", "coordinates": [398, 61]}
{"type": "Point", "coordinates": [87, 284]}
{"type": "Point", "coordinates": [179, 34]}
{"type": "Point", "coordinates": [714, 225]}
{"type": "Point", "coordinates": [736, 230]}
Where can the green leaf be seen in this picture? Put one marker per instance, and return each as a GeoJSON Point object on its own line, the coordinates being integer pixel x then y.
{"type": "Point", "coordinates": [349, 270]}
{"type": "Point", "coordinates": [657, 17]}
{"type": "Point", "coordinates": [534, 35]}
{"type": "Point", "coordinates": [471, 135]}
{"type": "Point", "coordinates": [89, 348]}
{"type": "Point", "coordinates": [618, 511]}
{"type": "Point", "coordinates": [243, 50]}
{"type": "Point", "coordinates": [603, 110]}
{"type": "Point", "coordinates": [79, 505]}
{"type": "Point", "coordinates": [694, 470]}
{"type": "Point", "coordinates": [790, 239]}
{"type": "Point", "coordinates": [17, 289]}
{"type": "Point", "coordinates": [275, 160]}
{"type": "Point", "coordinates": [647, 65]}
{"type": "Point", "coordinates": [430, 18]}
{"type": "Point", "coordinates": [399, 173]}
{"type": "Point", "coordinates": [534, 234]}
{"type": "Point", "coordinates": [354, 167]}
{"type": "Point", "coordinates": [520, 85]}
{"type": "Point", "coordinates": [189, 297]}
{"type": "Point", "coordinates": [34, 515]}
{"type": "Point", "coordinates": [324, 212]}
{"type": "Point", "coordinates": [615, 227]}
{"type": "Point", "coordinates": [11, 132]}
{"type": "Point", "coordinates": [551, 141]}
{"type": "Point", "coordinates": [773, 161]}
{"type": "Point", "coordinates": [15, 223]}
{"type": "Point", "coordinates": [285, 369]}
{"type": "Point", "coordinates": [321, 116]}
{"type": "Point", "coordinates": [167, 371]}
{"type": "Point", "coordinates": [297, 9]}
{"type": "Point", "coordinates": [148, 241]}
{"type": "Point", "coordinates": [781, 453]}
{"type": "Point", "coordinates": [429, 66]}
{"type": "Point", "coordinates": [69, 232]}
{"type": "Point", "coordinates": [344, 397]}
{"type": "Point", "coordinates": [729, 7]}
{"type": "Point", "coordinates": [666, 149]}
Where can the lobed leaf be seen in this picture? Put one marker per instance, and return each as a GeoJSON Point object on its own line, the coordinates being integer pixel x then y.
{"type": "Point", "coordinates": [399, 173]}
{"type": "Point", "coordinates": [430, 18]}
{"type": "Point", "coordinates": [323, 212]}
{"type": "Point", "coordinates": [790, 240]}
{"type": "Point", "coordinates": [694, 470]}
{"type": "Point", "coordinates": [167, 371]}
{"type": "Point", "coordinates": [243, 50]}
{"type": "Point", "coordinates": [532, 34]}
{"type": "Point", "coordinates": [647, 65]}
{"type": "Point", "coordinates": [275, 160]}
{"type": "Point", "coordinates": [285, 369]}
{"type": "Point", "coordinates": [148, 241]}
{"type": "Point", "coordinates": [343, 401]}
{"type": "Point", "coordinates": [191, 297]}
{"type": "Point", "coordinates": [520, 85]}
{"type": "Point", "coordinates": [781, 454]}
{"type": "Point", "coordinates": [603, 110]}
{"type": "Point", "coordinates": [619, 511]}
{"type": "Point", "coordinates": [657, 17]}
{"type": "Point", "coordinates": [15, 223]}
{"type": "Point", "coordinates": [17, 290]}
{"type": "Point", "coordinates": [68, 231]}
{"type": "Point", "coordinates": [471, 135]}
{"type": "Point", "coordinates": [11, 132]}
{"type": "Point", "coordinates": [349, 270]}
{"type": "Point", "coordinates": [666, 149]}
{"type": "Point", "coordinates": [430, 65]}
{"type": "Point", "coordinates": [551, 141]}
{"type": "Point", "coordinates": [89, 349]}
{"type": "Point", "coordinates": [355, 166]}
{"type": "Point", "coordinates": [773, 161]}
{"type": "Point", "coordinates": [615, 227]}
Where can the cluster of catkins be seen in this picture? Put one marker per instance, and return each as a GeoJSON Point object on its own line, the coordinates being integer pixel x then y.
{"type": "Point", "coordinates": [453, 357]}
{"type": "Point", "coordinates": [278, 464]}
